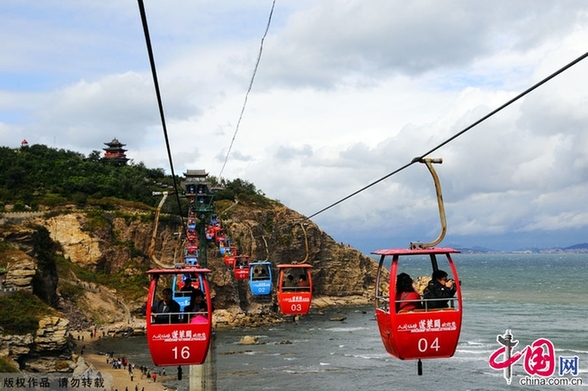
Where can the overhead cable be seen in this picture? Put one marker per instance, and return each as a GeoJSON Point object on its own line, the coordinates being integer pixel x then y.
{"type": "Point", "coordinates": [159, 100]}
{"type": "Point", "coordinates": [249, 89]}
{"type": "Point", "coordinates": [419, 158]}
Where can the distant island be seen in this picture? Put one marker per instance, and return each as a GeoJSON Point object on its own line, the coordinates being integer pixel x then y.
{"type": "Point", "coordinates": [576, 248]}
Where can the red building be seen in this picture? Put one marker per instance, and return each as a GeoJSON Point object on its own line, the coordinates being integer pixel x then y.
{"type": "Point", "coordinates": [115, 152]}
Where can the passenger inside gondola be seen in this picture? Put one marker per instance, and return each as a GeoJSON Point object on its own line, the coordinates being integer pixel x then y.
{"type": "Point", "coordinates": [289, 282]}
{"type": "Point", "coordinates": [197, 306]}
{"type": "Point", "coordinates": [439, 289]}
{"type": "Point", "coordinates": [166, 310]}
{"type": "Point", "coordinates": [407, 299]}
{"type": "Point", "coordinates": [303, 283]}
{"type": "Point", "coordinates": [188, 286]}
{"type": "Point", "coordinates": [260, 273]}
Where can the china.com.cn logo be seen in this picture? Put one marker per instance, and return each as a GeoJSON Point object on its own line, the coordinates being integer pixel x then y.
{"type": "Point", "coordinates": [538, 358]}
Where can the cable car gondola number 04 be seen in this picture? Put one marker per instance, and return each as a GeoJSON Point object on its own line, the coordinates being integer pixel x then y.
{"type": "Point", "coordinates": [423, 345]}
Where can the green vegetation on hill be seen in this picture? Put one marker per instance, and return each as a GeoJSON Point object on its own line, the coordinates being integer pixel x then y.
{"type": "Point", "coordinates": [243, 191]}
{"type": "Point", "coordinates": [38, 175]}
{"type": "Point", "coordinates": [6, 366]}
{"type": "Point", "coordinates": [21, 311]}
{"type": "Point", "coordinates": [132, 286]}
{"type": "Point", "coordinates": [41, 178]}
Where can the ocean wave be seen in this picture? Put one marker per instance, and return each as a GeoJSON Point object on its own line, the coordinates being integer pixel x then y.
{"type": "Point", "coordinates": [346, 329]}
{"type": "Point", "coordinates": [486, 352]}
{"type": "Point", "coordinates": [375, 356]}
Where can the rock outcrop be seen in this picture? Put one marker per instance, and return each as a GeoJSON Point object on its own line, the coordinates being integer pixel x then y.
{"type": "Point", "coordinates": [115, 241]}
{"type": "Point", "coordinates": [49, 350]}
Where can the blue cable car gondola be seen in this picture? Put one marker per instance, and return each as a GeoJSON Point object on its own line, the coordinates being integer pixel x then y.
{"type": "Point", "coordinates": [260, 278]}
{"type": "Point", "coordinates": [183, 286]}
{"type": "Point", "coordinates": [191, 223]}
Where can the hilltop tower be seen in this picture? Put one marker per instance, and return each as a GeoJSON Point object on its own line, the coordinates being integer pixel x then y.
{"type": "Point", "coordinates": [115, 153]}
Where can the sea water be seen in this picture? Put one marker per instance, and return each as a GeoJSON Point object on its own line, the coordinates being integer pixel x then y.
{"type": "Point", "coordinates": [535, 296]}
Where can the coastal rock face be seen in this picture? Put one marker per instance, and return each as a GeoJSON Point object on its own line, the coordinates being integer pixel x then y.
{"type": "Point", "coordinates": [15, 346]}
{"type": "Point", "coordinates": [341, 274]}
{"type": "Point", "coordinates": [79, 246]}
{"type": "Point", "coordinates": [283, 236]}
{"type": "Point", "coordinates": [114, 241]}
{"type": "Point", "coordinates": [52, 346]}
{"type": "Point", "coordinates": [49, 350]}
{"type": "Point", "coordinates": [88, 243]}
{"type": "Point", "coordinates": [53, 334]}
{"type": "Point", "coordinates": [21, 272]}
{"type": "Point", "coordinates": [27, 262]}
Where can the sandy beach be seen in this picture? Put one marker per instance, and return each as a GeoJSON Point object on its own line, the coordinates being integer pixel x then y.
{"type": "Point", "coordinates": [121, 379]}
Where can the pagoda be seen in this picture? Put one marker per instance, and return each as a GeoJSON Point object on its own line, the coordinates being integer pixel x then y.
{"type": "Point", "coordinates": [115, 153]}
{"type": "Point", "coordinates": [193, 179]}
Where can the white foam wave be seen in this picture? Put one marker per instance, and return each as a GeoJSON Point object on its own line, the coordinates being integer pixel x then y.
{"type": "Point", "coordinates": [346, 329]}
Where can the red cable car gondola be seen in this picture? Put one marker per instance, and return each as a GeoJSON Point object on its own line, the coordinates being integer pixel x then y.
{"type": "Point", "coordinates": [219, 235]}
{"type": "Point", "coordinates": [229, 256]}
{"type": "Point", "coordinates": [423, 332]}
{"type": "Point", "coordinates": [177, 338]}
{"type": "Point", "coordinates": [295, 297]}
{"type": "Point", "coordinates": [429, 328]}
{"type": "Point", "coordinates": [241, 267]}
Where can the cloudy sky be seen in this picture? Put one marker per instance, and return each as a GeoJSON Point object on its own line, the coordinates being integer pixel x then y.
{"type": "Point", "coordinates": [347, 91]}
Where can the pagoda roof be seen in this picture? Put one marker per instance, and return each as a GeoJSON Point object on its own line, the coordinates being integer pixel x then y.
{"type": "Point", "coordinates": [115, 142]}
{"type": "Point", "coordinates": [193, 173]}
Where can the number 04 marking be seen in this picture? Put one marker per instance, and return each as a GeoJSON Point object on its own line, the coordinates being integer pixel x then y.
{"type": "Point", "coordinates": [424, 345]}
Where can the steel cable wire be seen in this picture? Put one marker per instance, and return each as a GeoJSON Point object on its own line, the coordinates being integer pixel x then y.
{"type": "Point", "coordinates": [468, 128]}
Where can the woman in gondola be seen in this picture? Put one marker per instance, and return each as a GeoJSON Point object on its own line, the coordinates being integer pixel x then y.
{"type": "Point", "coordinates": [197, 305]}
{"type": "Point", "coordinates": [407, 299]}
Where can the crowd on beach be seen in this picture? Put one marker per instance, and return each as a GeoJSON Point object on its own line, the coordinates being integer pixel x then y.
{"type": "Point", "coordinates": [140, 377]}
{"type": "Point", "coordinates": [122, 362]}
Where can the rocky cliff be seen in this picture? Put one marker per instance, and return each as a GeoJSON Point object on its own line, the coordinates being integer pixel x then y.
{"type": "Point", "coordinates": [27, 259]}
{"type": "Point", "coordinates": [118, 243]}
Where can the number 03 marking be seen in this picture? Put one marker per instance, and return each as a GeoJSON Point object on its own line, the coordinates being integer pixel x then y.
{"type": "Point", "coordinates": [424, 345]}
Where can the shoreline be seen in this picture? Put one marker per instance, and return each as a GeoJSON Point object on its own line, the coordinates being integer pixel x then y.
{"type": "Point", "coordinates": [116, 379]}
{"type": "Point", "coordinates": [88, 347]}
